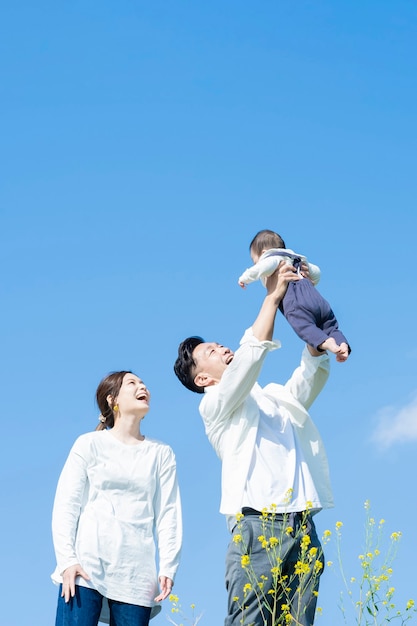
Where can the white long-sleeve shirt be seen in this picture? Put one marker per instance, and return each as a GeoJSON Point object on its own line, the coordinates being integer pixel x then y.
{"type": "Point", "coordinates": [231, 412]}
{"type": "Point", "coordinates": [268, 262]}
{"type": "Point", "coordinates": [110, 499]}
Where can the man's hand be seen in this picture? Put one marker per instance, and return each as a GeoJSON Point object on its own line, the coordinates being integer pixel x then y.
{"type": "Point", "coordinates": [277, 283]}
{"type": "Point", "coordinates": [166, 585]}
{"type": "Point", "coordinates": [276, 286]}
{"type": "Point", "coordinates": [68, 580]}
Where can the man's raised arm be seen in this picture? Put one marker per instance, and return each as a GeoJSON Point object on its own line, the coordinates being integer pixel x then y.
{"type": "Point", "coordinates": [276, 285]}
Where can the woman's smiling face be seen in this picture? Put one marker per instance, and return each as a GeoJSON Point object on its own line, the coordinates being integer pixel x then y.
{"type": "Point", "coordinates": [133, 395]}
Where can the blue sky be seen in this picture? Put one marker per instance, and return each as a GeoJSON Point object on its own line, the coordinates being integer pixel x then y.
{"type": "Point", "coordinates": [143, 145]}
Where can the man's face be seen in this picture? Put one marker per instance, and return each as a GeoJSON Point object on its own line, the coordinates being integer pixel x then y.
{"type": "Point", "coordinates": [211, 359]}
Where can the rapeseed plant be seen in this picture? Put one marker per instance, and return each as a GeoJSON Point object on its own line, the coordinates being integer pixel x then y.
{"type": "Point", "coordinates": [370, 594]}
{"type": "Point", "coordinates": [279, 592]}
{"type": "Point", "coordinates": [176, 609]}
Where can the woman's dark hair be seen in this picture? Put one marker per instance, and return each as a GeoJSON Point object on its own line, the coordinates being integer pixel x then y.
{"type": "Point", "coordinates": [184, 366]}
{"type": "Point", "coordinates": [265, 240]}
{"type": "Point", "coordinates": [109, 386]}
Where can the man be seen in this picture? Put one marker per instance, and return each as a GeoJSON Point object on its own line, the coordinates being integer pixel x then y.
{"type": "Point", "coordinates": [272, 458]}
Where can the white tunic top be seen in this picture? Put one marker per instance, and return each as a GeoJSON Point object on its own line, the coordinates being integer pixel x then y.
{"type": "Point", "coordinates": [111, 498]}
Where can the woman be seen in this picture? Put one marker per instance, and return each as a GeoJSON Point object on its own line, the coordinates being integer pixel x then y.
{"type": "Point", "coordinates": [117, 491]}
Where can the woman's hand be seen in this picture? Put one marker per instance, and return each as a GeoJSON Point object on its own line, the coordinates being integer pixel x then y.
{"type": "Point", "coordinates": [68, 580]}
{"type": "Point", "coordinates": [166, 585]}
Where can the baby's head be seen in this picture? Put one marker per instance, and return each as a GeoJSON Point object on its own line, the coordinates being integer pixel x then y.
{"type": "Point", "coordinates": [264, 240]}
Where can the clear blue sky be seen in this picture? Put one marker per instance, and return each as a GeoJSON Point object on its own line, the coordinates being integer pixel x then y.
{"type": "Point", "coordinates": [142, 146]}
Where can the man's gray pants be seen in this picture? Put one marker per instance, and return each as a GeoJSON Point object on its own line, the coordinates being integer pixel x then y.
{"type": "Point", "coordinates": [300, 603]}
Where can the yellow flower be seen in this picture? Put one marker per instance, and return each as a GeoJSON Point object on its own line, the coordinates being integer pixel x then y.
{"type": "Point", "coordinates": [235, 598]}
{"type": "Point", "coordinates": [410, 605]}
{"type": "Point", "coordinates": [339, 525]}
{"type": "Point", "coordinates": [329, 563]}
{"type": "Point", "coordinates": [318, 565]}
{"type": "Point", "coordinates": [289, 530]}
{"type": "Point", "coordinates": [237, 538]}
{"type": "Point", "coordinates": [327, 534]}
{"type": "Point", "coordinates": [309, 505]}
{"type": "Point", "coordinates": [288, 496]}
{"type": "Point", "coordinates": [395, 536]}
{"type": "Point", "coordinates": [239, 517]}
{"type": "Point", "coordinates": [173, 598]}
{"type": "Point", "coordinates": [245, 560]}
{"type": "Point", "coordinates": [285, 607]}
{"type": "Point", "coordinates": [312, 552]}
{"type": "Point", "coordinates": [246, 588]}
{"type": "Point", "coordinates": [288, 618]}
{"type": "Point", "coordinates": [301, 568]}
{"type": "Point", "coordinates": [305, 541]}
{"type": "Point", "coordinates": [261, 538]}
{"type": "Point", "coordinates": [273, 541]}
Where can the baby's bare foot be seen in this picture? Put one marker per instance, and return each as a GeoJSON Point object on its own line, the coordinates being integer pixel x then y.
{"type": "Point", "coordinates": [343, 353]}
{"type": "Point", "coordinates": [330, 345]}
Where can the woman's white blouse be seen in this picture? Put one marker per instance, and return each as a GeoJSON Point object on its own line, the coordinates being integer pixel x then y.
{"type": "Point", "coordinates": [111, 500]}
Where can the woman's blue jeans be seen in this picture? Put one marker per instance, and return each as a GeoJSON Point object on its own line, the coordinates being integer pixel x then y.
{"type": "Point", "coordinates": [85, 607]}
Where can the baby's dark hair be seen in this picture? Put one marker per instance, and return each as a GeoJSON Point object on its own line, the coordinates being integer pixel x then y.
{"type": "Point", "coordinates": [185, 364]}
{"type": "Point", "coordinates": [265, 240]}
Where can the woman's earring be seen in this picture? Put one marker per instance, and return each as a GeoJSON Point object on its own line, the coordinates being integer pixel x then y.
{"type": "Point", "coordinates": [116, 408]}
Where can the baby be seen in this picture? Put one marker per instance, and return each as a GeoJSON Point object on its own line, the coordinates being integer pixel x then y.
{"type": "Point", "coordinates": [309, 314]}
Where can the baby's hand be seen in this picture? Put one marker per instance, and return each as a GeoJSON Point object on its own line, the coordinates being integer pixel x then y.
{"type": "Point", "coordinates": [242, 285]}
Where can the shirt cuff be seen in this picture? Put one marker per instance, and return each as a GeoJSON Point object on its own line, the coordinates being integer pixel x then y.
{"type": "Point", "coordinates": [249, 337]}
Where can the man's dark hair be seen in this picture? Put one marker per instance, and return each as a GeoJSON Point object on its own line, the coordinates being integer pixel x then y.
{"type": "Point", "coordinates": [185, 365]}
